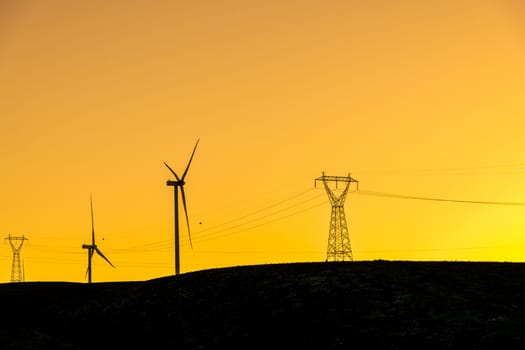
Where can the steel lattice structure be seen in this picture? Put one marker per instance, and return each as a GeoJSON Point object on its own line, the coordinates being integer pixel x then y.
{"type": "Point", "coordinates": [17, 272]}
{"type": "Point", "coordinates": [339, 248]}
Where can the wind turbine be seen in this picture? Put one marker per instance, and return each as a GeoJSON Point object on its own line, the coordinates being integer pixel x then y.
{"type": "Point", "coordinates": [176, 184]}
{"type": "Point", "coordinates": [92, 248]}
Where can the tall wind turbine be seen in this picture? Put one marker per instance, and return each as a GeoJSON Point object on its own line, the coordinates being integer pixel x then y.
{"type": "Point", "coordinates": [179, 183]}
{"type": "Point", "coordinates": [92, 248]}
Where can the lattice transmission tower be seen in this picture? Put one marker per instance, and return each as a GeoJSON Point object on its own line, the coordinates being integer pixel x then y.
{"type": "Point", "coordinates": [17, 271]}
{"type": "Point", "coordinates": [339, 248]}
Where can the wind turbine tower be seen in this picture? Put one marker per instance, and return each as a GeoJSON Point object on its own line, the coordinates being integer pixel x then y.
{"type": "Point", "coordinates": [17, 272]}
{"type": "Point", "coordinates": [92, 248]}
{"type": "Point", "coordinates": [339, 248]}
{"type": "Point", "coordinates": [179, 183]}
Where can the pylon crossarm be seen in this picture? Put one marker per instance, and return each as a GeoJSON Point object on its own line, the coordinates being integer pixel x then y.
{"type": "Point", "coordinates": [336, 178]}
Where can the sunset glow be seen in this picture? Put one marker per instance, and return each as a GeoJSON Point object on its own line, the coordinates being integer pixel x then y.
{"type": "Point", "coordinates": [416, 98]}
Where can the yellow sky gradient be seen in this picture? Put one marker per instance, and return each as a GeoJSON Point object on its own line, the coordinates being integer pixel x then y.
{"type": "Point", "coordinates": [422, 98]}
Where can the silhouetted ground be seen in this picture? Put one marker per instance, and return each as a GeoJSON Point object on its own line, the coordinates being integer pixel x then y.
{"type": "Point", "coordinates": [374, 305]}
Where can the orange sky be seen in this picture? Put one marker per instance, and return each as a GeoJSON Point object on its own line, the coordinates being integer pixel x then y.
{"type": "Point", "coordinates": [411, 97]}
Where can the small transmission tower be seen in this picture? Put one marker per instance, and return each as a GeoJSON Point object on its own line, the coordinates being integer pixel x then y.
{"type": "Point", "coordinates": [17, 272]}
{"type": "Point", "coordinates": [339, 248]}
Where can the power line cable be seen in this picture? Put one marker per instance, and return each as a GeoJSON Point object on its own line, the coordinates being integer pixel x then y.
{"type": "Point", "coordinates": [254, 212]}
{"type": "Point", "coordinates": [438, 249]}
{"type": "Point", "coordinates": [262, 224]}
{"type": "Point", "coordinates": [441, 170]}
{"type": "Point", "coordinates": [392, 195]}
{"type": "Point", "coordinates": [216, 229]}
{"type": "Point", "coordinates": [227, 231]}
{"type": "Point", "coordinates": [260, 218]}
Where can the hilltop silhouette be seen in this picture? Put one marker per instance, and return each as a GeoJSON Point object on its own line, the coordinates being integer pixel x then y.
{"type": "Point", "coordinates": [378, 304]}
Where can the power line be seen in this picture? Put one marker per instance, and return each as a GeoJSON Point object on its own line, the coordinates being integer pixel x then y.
{"type": "Point", "coordinates": [255, 212]}
{"type": "Point", "coordinates": [262, 217]}
{"type": "Point", "coordinates": [249, 252]}
{"type": "Point", "coordinates": [401, 196]}
{"type": "Point", "coordinates": [230, 230]}
{"type": "Point", "coordinates": [442, 170]}
{"type": "Point", "coordinates": [265, 216]}
{"type": "Point", "coordinates": [216, 230]}
{"type": "Point", "coordinates": [438, 249]}
{"type": "Point", "coordinates": [264, 223]}
{"type": "Point", "coordinates": [64, 250]}
{"type": "Point", "coordinates": [153, 246]}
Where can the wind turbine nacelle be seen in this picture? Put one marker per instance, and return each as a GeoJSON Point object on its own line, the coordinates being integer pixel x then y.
{"type": "Point", "coordinates": [174, 183]}
{"type": "Point", "coordinates": [88, 246]}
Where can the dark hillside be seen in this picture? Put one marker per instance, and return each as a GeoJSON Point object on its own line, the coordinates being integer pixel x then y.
{"type": "Point", "coordinates": [380, 304]}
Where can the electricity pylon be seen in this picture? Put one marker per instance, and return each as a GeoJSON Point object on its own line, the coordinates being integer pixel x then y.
{"type": "Point", "coordinates": [339, 248]}
{"type": "Point", "coordinates": [16, 242]}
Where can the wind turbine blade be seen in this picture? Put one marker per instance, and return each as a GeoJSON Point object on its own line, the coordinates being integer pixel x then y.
{"type": "Point", "coordinates": [186, 212]}
{"type": "Point", "coordinates": [87, 272]}
{"type": "Point", "coordinates": [191, 158]}
{"type": "Point", "coordinates": [178, 179]}
{"type": "Point", "coordinates": [92, 221]}
{"type": "Point", "coordinates": [104, 257]}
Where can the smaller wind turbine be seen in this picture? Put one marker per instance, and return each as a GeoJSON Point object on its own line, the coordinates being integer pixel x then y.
{"type": "Point", "coordinates": [176, 184]}
{"type": "Point", "coordinates": [92, 248]}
